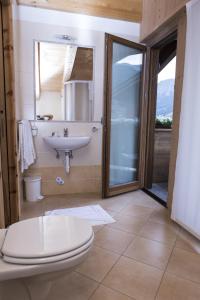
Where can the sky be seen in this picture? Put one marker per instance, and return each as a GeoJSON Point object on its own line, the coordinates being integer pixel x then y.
{"type": "Point", "coordinates": [169, 71]}
{"type": "Point", "coordinates": [134, 60]}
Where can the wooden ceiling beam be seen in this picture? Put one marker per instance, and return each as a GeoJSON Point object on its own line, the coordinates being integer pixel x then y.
{"type": "Point", "coordinates": [128, 10]}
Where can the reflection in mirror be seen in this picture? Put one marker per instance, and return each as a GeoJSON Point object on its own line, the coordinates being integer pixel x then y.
{"type": "Point", "coordinates": [63, 82]}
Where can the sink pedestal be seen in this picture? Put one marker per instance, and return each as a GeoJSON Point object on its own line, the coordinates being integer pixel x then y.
{"type": "Point", "coordinates": [68, 156]}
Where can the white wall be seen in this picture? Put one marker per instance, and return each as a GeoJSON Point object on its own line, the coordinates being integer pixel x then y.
{"type": "Point", "coordinates": [64, 19]}
{"type": "Point", "coordinates": [50, 103]}
{"type": "Point", "coordinates": [37, 24]}
{"type": "Point", "coordinates": [26, 33]}
{"type": "Point", "coordinates": [89, 155]}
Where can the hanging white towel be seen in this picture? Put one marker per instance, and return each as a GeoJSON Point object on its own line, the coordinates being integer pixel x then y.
{"type": "Point", "coordinates": [27, 152]}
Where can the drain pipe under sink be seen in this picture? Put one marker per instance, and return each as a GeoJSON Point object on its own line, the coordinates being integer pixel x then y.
{"type": "Point", "coordinates": [68, 155]}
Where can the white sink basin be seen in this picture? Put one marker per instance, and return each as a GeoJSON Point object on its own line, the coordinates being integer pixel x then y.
{"type": "Point", "coordinates": [67, 143]}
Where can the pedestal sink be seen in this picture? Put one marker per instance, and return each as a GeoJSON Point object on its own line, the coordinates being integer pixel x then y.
{"type": "Point", "coordinates": [67, 145]}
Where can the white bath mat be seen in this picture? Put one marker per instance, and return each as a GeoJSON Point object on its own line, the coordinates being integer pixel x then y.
{"type": "Point", "coordinates": [95, 214]}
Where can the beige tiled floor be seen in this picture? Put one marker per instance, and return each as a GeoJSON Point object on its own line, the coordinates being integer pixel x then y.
{"type": "Point", "coordinates": [142, 256]}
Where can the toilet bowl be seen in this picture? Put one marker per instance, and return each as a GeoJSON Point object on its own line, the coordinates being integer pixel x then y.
{"type": "Point", "coordinates": [35, 252]}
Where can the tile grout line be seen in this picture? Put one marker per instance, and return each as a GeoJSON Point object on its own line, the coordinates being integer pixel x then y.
{"type": "Point", "coordinates": [179, 276]}
{"type": "Point", "coordinates": [120, 256]}
{"type": "Point", "coordinates": [98, 285]}
{"type": "Point", "coordinates": [118, 291]}
{"type": "Point", "coordinates": [114, 252]}
{"type": "Point", "coordinates": [183, 278]}
{"type": "Point", "coordinates": [136, 234]}
{"type": "Point", "coordinates": [123, 252]}
{"type": "Point", "coordinates": [86, 276]}
{"type": "Point", "coordinates": [144, 263]}
{"type": "Point", "coordinates": [165, 270]}
{"type": "Point", "coordinates": [134, 259]}
{"type": "Point", "coordinates": [100, 282]}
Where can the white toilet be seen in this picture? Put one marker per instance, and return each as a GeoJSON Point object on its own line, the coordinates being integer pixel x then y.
{"type": "Point", "coordinates": [37, 251]}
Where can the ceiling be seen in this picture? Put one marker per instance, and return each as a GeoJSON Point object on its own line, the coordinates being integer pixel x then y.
{"type": "Point", "coordinates": [58, 63]}
{"type": "Point", "coordinates": [128, 10]}
{"type": "Point", "coordinates": [51, 66]}
{"type": "Point", "coordinates": [83, 65]}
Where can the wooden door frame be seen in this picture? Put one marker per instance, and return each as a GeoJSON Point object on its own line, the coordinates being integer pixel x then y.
{"type": "Point", "coordinates": [7, 116]}
{"type": "Point", "coordinates": [175, 24]}
{"type": "Point", "coordinates": [106, 191]}
{"type": "Point", "coordinates": [153, 83]}
{"type": "Point", "coordinates": [3, 136]}
{"type": "Point", "coordinates": [153, 71]}
{"type": "Point", "coordinates": [2, 215]}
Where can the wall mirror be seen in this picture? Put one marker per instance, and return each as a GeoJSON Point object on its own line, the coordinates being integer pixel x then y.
{"type": "Point", "coordinates": [63, 82]}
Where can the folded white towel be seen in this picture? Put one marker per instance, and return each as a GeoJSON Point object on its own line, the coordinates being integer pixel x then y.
{"type": "Point", "coordinates": [94, 214]}
{"type": "Point", "coordinates": [26, 146]}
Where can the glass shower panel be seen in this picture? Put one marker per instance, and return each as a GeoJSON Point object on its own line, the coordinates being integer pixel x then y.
{"type": "Point", "coordinates": [127, 68]}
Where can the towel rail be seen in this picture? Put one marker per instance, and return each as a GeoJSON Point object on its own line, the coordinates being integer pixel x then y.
{"type": "Point", "coordinates": [34, 128]}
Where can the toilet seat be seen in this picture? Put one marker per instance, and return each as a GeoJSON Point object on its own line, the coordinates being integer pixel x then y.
{"type": "Point", "coordinates": [46, 240]}
{"type": "Point", "coordinates": [49, 259]}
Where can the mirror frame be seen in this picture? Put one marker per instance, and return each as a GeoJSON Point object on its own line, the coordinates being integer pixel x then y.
{"type": "Point", "coordinates": [34, 81]}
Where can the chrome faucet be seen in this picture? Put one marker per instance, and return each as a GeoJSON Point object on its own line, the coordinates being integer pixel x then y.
{"type": "Point", "coordinates": [66, 132]}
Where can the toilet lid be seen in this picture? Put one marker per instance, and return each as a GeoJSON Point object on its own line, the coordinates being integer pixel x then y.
{"type": "Point", "coordinates": [46, 236]}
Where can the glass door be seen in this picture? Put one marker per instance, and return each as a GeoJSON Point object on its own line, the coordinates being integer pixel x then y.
{"type": "Point", "coordinates": [123, 116]}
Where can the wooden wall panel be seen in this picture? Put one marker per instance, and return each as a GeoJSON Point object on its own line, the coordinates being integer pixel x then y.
{"type": "Point", "coordinates": [9, 170]}
{"type": "Point", "coordinates": [83, 65]}
{"type": "Point", "coordinates": [3, 137]}
{"type": "Point", "coordinates": [156, 12]}
{"type": "Point", "coordinates": [129, 10]}
{"type": "Point", "coordinates": [2, 216]}
{"type": "Point", "coordinates": [162, 148]}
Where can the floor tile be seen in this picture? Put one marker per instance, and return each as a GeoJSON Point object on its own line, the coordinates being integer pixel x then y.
{"type": "Point", "coordinates": [188, 242]}
{"type": "Point", "coordinates": [13, 289]}
{"type": "Point", "coordinates": [98, 263]}
{"type": "Point", "coordinates": [137, 210]}
{"type": "Point", "coordinates": [175, 288]}
{"type": "Point", "coordinates": [185, 264]}
{"type": "Point", "coordinates": [160, 232]}
{"type": "Point", "coordinates": [72, 287]}
{"type": "Point", "coordinates": [115, 204]}
{"type": "Point", "coordinates": [146, 236]}
{"type": "Point", "coordinates": [104, 293]}
{"type": "Point", "coordinates": [149, 252]}
{"type": "Point", "coordinates": [161, 215]}
{"type": "Point", "coordinates": [68, 201]}
{"type": "Point", "coordinates": [130, 224]}
{"type": "Point", "coordinates": [142, 199]}
{"type": "Point", "coordinates": [32, 210]}
{"type": "Point", "coordinates": [112, 213]}
{"type": "Point", "coordinates": [113, 240]}
{"type": "Point", "coordinates": [97, 228]}
{"type": "Point", "coordinates": [134, 279]}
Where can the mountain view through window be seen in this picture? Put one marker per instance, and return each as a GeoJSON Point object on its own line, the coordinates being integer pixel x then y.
{"type": "Point", "coordinates": [165, 92]}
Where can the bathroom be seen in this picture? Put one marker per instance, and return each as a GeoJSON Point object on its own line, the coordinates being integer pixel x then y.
{"type": "Point", "coordinates": [77, 221]}
{"type": "Point", "coordinates": [85, 166]}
